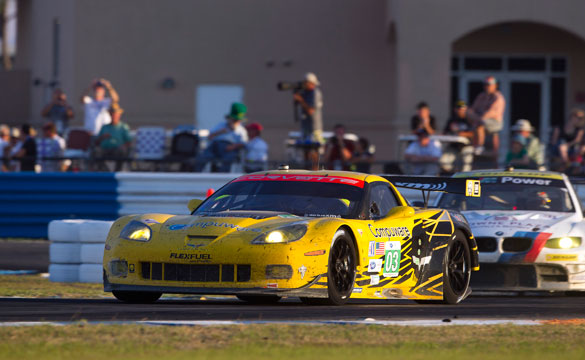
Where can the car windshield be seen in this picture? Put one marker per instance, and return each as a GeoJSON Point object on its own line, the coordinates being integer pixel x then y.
{"type": "Point", "coordinates": [300, 198]}
{"type": "Point", "coordinates": [498, 194]}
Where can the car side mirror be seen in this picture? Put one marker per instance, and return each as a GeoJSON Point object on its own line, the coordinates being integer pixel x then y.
{"type": "Point", "coordinates": [194, 204]}
{"type": "Point", "coordinates": [401, 211]}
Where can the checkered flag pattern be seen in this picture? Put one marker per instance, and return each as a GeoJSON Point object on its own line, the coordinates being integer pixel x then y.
{"type": "Point", "coordinates": [150, 142]}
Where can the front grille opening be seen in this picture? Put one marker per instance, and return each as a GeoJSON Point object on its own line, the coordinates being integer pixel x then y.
{"type": "Point", "coordinates": [244, 273]}
{"type": "Point", "coordinates": [516, 244]}
{"type": "Point", "coordinates": [195, 272]}
{"type": "Point", "coordinates": [486, 244]}
{"type": "Point", "coordinates": [552, 273]}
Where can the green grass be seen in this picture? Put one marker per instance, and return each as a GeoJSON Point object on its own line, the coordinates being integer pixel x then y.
{"type": "Point", "coordinates": [293, 342]}
{"type": "Point", "coordinates": [35, 286]}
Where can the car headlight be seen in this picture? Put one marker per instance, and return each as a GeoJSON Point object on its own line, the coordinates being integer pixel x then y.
{"type": "Point", "coordinates": [137, 231]}
{"type": "Point", "coordinates": [285, 234]}
{"type": "Point", "coordinates": [567, 242]}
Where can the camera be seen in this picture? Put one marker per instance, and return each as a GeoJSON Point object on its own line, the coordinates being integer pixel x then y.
{"type": "Point", "coordinates": [286, 85]}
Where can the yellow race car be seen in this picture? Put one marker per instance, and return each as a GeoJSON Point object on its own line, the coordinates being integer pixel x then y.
{"type": "Point", "coordinates": [322, 236]}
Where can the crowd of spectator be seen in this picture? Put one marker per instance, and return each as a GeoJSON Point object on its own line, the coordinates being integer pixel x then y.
{"type": "Point", "coordinates": [234, 140]}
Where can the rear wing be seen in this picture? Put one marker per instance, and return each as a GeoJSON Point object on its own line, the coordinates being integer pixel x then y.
{"type": "Point", "coordinates": [463, 186]}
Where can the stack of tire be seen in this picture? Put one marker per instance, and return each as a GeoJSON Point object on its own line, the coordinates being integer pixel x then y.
{"type": "Point", "coordinates": [77, 250]}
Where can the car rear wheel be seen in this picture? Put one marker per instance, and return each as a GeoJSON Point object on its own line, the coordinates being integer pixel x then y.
{"type": "Point", "coordinates": [137, 297]}
{"type": "Point", "coordinates": [340, 273]}
{"type": "Point", "coordinates": [456, 269]}
{"type": "Point", "coordinates": [259, 299]}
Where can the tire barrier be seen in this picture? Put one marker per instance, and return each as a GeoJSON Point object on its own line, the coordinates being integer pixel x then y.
{"type": "Point", "coordinates": [77, 250]}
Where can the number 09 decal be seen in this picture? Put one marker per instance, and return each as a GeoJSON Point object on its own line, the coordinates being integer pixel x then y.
{"type": "Point", "coordinates": [392, 259]}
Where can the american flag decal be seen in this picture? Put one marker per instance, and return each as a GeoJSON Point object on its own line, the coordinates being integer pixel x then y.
{"type": "Point", "coordinates": [379, 248]}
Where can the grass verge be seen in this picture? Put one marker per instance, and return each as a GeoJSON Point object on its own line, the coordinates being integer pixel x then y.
{"type": "Point", "coordinates": [292, 342]}
{"type": "Point", "coordinates": [36, 286]}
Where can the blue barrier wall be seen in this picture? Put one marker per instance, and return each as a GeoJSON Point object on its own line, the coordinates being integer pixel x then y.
{"type": "Point", "coordinates": [29, 201]}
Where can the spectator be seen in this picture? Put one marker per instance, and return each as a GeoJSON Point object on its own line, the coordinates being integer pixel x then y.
{"type": "Point", "coordinates": [459, 124]}
{"type": "Point", "coordinates": [487, 113]}
{"type": "Point", "coordinates": [4, 147]}
{"type": "Point", "coordinates": [50, 146]}
{"type": "Point", "coordinates": [96, 108]}
{"type": "Point", "coordinates": [338, 150]}
{"type": "Point", "coordinates": [227, 139]}
{"type": "Point", "coordinates": [362, 157]}
{"type": "Point", "coordinates": [310, 101]}
{"type": "Point", "coordinates": [58, 111]}
{"type": "Point", "coordinates": [114, 139]}
{"type": "Point", "coordinates": [517, 155]}
{"type": "Point", "coordinates": [256, 149]}
{"type": "Point", "coordinates": [534, 150]}
{"type": "Point", "coordinates": [566, 140]}
{"type": "Point", "coordinates": [26, 150]}
{"type": "Point", "coordinates": [423, 119]}
{"type": "Point", "coordinates": [423, 155]}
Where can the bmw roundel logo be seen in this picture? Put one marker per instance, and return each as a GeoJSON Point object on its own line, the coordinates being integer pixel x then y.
{"type": "Point", "coordinates": [499, 233]}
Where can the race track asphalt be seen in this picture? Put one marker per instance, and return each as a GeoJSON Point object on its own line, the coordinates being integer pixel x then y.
{"type": "Point", "coordinates": [485, 308]}
{"type": "Point", "coordinates": [24, 255]}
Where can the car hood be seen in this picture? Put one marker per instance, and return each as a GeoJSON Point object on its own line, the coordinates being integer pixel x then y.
{"type": "Point", "coordinates": [508, 223]}
{"type": "Point", "coordinates": [244, 224]}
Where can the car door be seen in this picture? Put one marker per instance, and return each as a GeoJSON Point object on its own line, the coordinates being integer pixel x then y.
{"type": "Point", "coordinates": [390, 230]}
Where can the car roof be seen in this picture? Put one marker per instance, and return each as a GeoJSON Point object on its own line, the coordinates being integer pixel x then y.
{"type": "Point", "coordinates": [516, 173]}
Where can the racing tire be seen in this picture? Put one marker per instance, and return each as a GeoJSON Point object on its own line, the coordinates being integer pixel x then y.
{"type": "Point", "coordinates": [341, 271]}
{"type": "Point", "coordinates": [259, 299]}
{"type": "Point", "coordinates": [456, 269]}
{"type": "Point", "coordinates": [137, 297]}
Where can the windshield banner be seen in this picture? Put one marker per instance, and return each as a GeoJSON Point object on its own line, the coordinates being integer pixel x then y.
{"type": "Point", "coordinates": [514, 180]}
{"type": "Point", "coordinates": [307, 178]}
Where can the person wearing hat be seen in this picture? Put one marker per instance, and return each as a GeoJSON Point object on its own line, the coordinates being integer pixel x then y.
{"type": "Point", "coordinates": [566, 140]}
{"type": "Point", "coordinates": [256, 149]}
{"type": "Point", "coordinates": [226, 140]}
{"type": "Point", "coordinates": [517, 155]}
{"type": "Point", "coordinates": [487, 112]}
{"type": "Point", "coordinates": [423, 155]}
{"type": "Point", "coordinates": [534, 152]}
{"type": "Point", "coordinates": [310, 103]}
{"type": "Point", "coordinates": [114, 139]}
{"type": "Point", "coordinates": [96, 107]}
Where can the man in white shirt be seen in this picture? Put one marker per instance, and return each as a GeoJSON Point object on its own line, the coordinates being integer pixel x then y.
{"type": "Point", "coordinates": [227, 139]}
{"type": "Point", "coordinates": [423, 155]}
{"type": "Point", "coordinates": [96, 108]}
{"type": "Point", "coordinates": [256, 149]}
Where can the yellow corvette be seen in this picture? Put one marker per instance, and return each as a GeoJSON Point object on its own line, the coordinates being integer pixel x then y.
{"type": "Point", "coordinates": [323, 236]}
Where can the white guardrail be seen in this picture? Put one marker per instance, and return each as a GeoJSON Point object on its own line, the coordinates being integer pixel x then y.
{"type": "Point", "coordinates": [77, 246]}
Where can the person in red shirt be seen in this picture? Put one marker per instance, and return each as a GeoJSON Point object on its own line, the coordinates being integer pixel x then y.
{"type": "Point", "coordinates": [338, 150]}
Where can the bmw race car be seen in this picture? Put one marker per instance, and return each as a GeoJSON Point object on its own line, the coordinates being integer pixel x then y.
{"type": "Point", "coordinates": [529, 229]}
{"type": "Point", "coordinates": [323, 236]}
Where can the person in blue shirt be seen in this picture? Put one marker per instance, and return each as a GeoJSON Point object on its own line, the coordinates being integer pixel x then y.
{"type": "Point", "coordinates": [226, 140]}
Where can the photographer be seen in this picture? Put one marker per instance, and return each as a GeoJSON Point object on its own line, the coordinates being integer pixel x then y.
{"type": "Point", "coordinates": [58, 111]}
{"type": "Point", "coordinates": [310, 102]}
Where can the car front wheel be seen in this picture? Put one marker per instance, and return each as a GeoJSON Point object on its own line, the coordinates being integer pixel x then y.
{"type": "Point", "coordinates": [456, 269]}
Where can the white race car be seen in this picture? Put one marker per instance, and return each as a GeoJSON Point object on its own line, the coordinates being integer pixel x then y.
{"type": "Point", "coordinates": [529, 229]}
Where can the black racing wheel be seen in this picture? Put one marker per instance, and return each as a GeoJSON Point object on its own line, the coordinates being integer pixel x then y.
{"type": "Point", "coordinates": [341, 271]}
{"type": "Point", "coordinates": [456, 269]}
{"type": "Point", "coordinates": [137, 297]}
